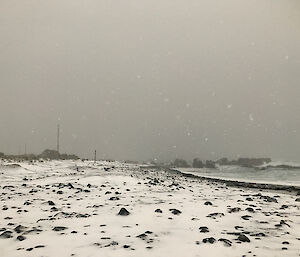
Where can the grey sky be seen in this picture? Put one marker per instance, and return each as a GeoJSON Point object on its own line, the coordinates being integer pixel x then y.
{"type": "Point", "coordinates": [143, 79]}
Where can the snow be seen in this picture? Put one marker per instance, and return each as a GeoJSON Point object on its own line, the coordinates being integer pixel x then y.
{"type": "Point", "coordinates": [141, 190]}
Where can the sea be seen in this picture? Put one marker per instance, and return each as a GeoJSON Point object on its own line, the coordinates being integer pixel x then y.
{"type": "Point", "coordinates": [273, 175]}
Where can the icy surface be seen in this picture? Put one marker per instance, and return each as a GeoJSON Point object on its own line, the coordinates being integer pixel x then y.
{"type": "Point", "coordinates": [71, 209]}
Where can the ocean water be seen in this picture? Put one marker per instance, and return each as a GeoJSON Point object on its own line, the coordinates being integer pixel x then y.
{"type": "Point", "coordinates": [271, 175]}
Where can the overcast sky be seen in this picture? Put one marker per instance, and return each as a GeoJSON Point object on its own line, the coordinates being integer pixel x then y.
{"type": "Point", "coordinates": [142, 79]}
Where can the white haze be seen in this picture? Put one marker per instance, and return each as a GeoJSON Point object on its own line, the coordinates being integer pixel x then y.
{"type": "Point", "coordinates": [143, 79]}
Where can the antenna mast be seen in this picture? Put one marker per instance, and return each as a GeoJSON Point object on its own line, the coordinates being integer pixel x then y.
{"type": "Point", "coordinates": [57, 138]}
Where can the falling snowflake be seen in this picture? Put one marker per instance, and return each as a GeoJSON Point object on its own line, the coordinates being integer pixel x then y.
{"type": "Point", "coordinates": [251, 118]}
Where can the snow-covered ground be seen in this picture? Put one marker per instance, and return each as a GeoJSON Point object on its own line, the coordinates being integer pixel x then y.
{"type": "Point", "coordinates": [70, 208]}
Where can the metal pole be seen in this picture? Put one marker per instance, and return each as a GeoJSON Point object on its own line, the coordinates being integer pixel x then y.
{"type": "Point", "coordinates": [58, 138]}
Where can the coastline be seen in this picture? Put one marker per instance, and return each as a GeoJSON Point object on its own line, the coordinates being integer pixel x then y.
{"type": "Point", "coordinates": [235, 183]}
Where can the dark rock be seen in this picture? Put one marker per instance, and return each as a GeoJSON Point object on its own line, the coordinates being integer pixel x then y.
{"type": "Point", "coordinates": [123, 212]}
{"type": "Point", "coordinates": [243, 238]}
{"type": "Point", "coordinates": [269, 199]}
{"type": "Point", "coordinates": [282, 222]}
{"type": "Point", "coordinates": [59, 228]}
{"type": "Point", "coordinates": [51, 203]}
{"type": "Point", "coordinates": [210, 240]}
{"type": "Point", "coordinates": [79, 215]}
{"type": "Point", "coordinates": [216, 214]}
{"type": "Point", "coordinates": [114, 198]}
{"type": "Point", "coordinates": [6, 234]}
{"type": "Point", "coordinates": [158, 210]}
{"type": "Point", "coordinates": [238, 227]}
{"type": "Point", "coordinates": [142, 236]}
{"type": "Point", "coordinates": [19, 229]}
{"type": "Point", "coordinates": [33, 230]}
{"type": "Point", "coordinates": [175, 211]}
{"type": "Point", "coordinates": [260, 234]}
{"type": "Point", "coordinates": [246, 217]}
{"type": "Point", "coordinates": [21, 238]}
{"type": "Point", "coordinates": [235, 209]}
{"type": "Point", "coordinates": [208, 203]}
{"type": "Point", "coordinates": [249, 209]}
{"type": "Point", "coordinates": [297, 200]}
{"type": "Point", "coordinates": [70, 185]}
{"type": "Point", "coordinates": [226, 242]}
{"type": "Point", "coordinates": [284, 206]}
{"type": "Point", "coordinates": [203, 229]}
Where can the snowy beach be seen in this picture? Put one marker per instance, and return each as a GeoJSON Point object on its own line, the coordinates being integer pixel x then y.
{"type": "Point", "coordinates": [75, 208]}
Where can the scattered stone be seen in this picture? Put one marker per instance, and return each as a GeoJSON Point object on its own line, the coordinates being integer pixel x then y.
{"type": "Point", "coordinates": [269, 199]}
{"type": "Point", "coordinates": [235, 209]}
{"type": "Point", "coordinates": [51, 203]}
{"type": "Point", "coordinates": [39, 246]}
{"type": "Point", "coordinates": [284, 206]}
{"type": "Point", "coordinates": [175, 211]}
{"type": "Point", "coordinates": [142, 236]}
{"type": "Point", "coordinates": [21, 238]}
{"type": "Point", "coordinates": [19, 229]}
{"type": "Point", "coordinates": [204, 229]}
{"type": "Point", "coordinates": [243, 238]}
{"type": "Point", "coordinates": [246, 217]}
{"type": "Point", "coordinates": [123, 212]}
{"type": "Point", "coordinates": [226, 242]}
{"type": "Point", "coordinates": [249, 209]}
{"type": "Point", "coordinates": [216, 214]}
{"type": "Point", "coordinates": [6, 234]}
{"type": "Point", "coordinates": [59, 228]}
{"type": "Point", "coordinates": [114, 198]}
{"type": "Point", "coordinates": [210, 240]}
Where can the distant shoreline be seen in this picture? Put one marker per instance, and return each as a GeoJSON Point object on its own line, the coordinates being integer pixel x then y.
{"type": "Point", "coordinates": [236, 183]}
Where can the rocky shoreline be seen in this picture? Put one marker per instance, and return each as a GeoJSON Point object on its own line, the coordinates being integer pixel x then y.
{"type": "Point", "coordinates": [235, 183]}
